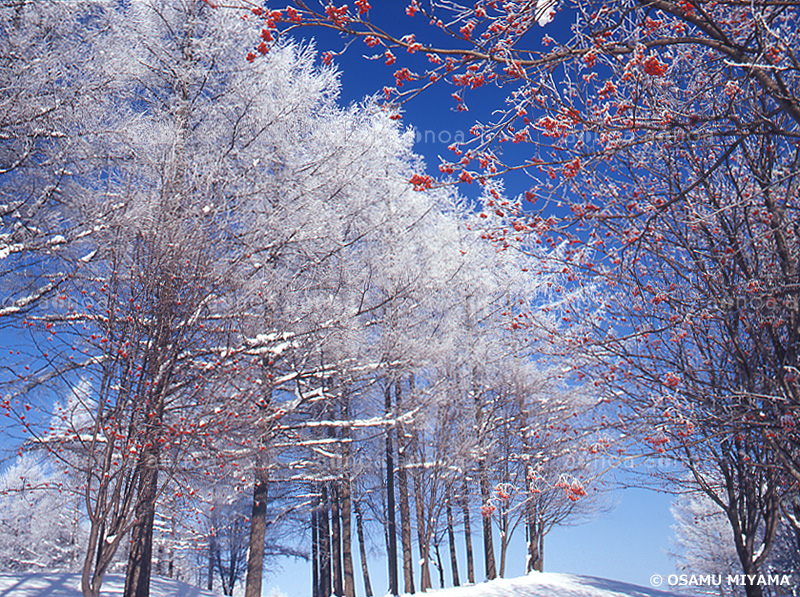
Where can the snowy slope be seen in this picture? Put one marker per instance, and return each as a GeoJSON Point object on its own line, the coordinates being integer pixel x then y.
{"type": "Point", "coordinates": [551, 584]}
{"type": "Point", "coordinates": [55, 584]}
{"type": "Point", "coordinates": [545, 584]}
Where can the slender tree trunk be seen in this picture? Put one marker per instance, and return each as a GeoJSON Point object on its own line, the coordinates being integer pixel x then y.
{"type": "Point", "coordinates": [422, 534]}
{"type": "Point", "coordinates": [347, 536]}
{"type": "Point", "coordinates": [324, 544]}
{"type": "Point", "coordinates": [439, 566]}
{"type": "Point", "coordinates": [488, 543]}
{"type": "Point", "coordinates": [258, 519]}
{"type": "Point", "coordinates": [336, 540]}
{"type": "Point", "coordinates": [467, 531]}
{"type": "Point", "coordinates": [424, 526]}
{"type": "Point", "coordinates": [405, 510]}
{"type": "Point", "coordinates": [391, 530]}
{"type": "Point", "coordinates": [212, 552]}
{"type": "Point", "coordinates": [315, 592]}
{"type": "Point", "coordinates": [362, 548]}
{"type": "Point", "coordinates": [533, 559]}
{"type": "Point", "coordinates": [405, 523]}
{"type": "Point", "coordinates": [540, 563]}
{"type": "Point", "coordinates": [451, 538]}
{"type": "Point", "coordinates": [503, 541]}
{"type": "Point", "coordinates": [258, 530]}
{"type": "Point", "coordinates": [101, 535]}
{"type": "Point", "coordinates": [171, 563]}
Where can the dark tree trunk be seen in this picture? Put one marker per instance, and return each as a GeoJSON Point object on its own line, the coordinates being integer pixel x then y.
{"type": "Point", "coordinates": [439, 566]}
{"type": "Point", "coordinates": [533, 538]}
{"type": "Point", "coordinates": [451, 538]}
{"type": "Point", "coordinates": [315, 589]}
{"type": "Point", "coordinates": [137, 577]}
{"type": "Point", "coordinates": [488, 543]}
{"type": "Point", "coordinates": [324, 545]}
{"type": "Point", "coordinates": [362, 548]}
{"type": "Point", "coordinates": [405, 525]}
{"type": "Point", "coordinates": [391, 530]}
{"type": "Point", "coordinates": [212, 554]}
{"type": "Point", "coordinates": [540, 563]}
{"type": "Point", "coordinates": [467, 531]}
{"type": "Point", "coordinates": [422, 534]}
{"type": "Point", "coordinates": [336, 540]}
{"type": "Point", "coordinates": [752, 589]}
{"type": "Point", "coordinates": [258, 520]}
{"type": "Point", "coordinates": [258, 530]}
{"type": "Point", "coordinates": [405, 516]}
{"type": "Point", "coordinates": [347, 538]}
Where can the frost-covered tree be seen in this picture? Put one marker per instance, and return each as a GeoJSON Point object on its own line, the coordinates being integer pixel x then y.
{"type": "Point", "coordinates": [41, 518]}
{"type": "Point", "coordinates": [190, 202]}
{"type": "Point", "coordinates": [702, 542]}
{"type": "Point", "coordinates": [52, 86]}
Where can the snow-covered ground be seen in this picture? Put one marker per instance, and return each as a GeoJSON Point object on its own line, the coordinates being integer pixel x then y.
{"type": "Point", "coordinates": [551, 584]}
{"type": "Point", "coordinates": [545, 584]}
{"type": "Point", "coordinates": [55, 584]}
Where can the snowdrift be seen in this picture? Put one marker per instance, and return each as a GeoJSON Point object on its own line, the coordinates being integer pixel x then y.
{"type": "Point", "coordinates": [545, 584]}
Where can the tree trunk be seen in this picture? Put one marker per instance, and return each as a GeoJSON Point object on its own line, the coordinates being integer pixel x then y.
{"type": "Point", "coordinates": [540, 563]}
{"type": "Point", "coordinates": [212, 552]}
{"type": "Point", "coordinates": [488, 543]}
{"type": "Point", "coordinates": [347, 537]}
{"type": "Point", "coordinates": [137, 576]}
{"type": "Point", "coordinates": [467, 531]}
{"type": "Point", "coordinates": [503, 540]}
{"type": "Point", "coordinates": [533, 561]}
{"type": "Point", "coordinates": [422, 534]}
{"type": "Point", "coordinates": [391, 530]}
{"type": "Point", "coordinates": [405, 510]}
{"type": "Point", "coordinates": [451, 538]}
{"type": "Point", "coordinates": [752, 589]}
{"type": "Point", "coordinates": [336, 540]}
{"type": "Point", "coordinates": [258, 530]}
{"type": "Point", "coordinates": [439, 566]}
{"type": "Point", "coordinates": [362, 548]}
{"type": "Point", "coordinates": [315, 589]}
{"type": "Point", "coordinates": [324, 544]}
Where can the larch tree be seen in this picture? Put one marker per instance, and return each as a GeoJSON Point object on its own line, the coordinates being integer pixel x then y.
{"type": "Point", "coordinates": [47, 129]}
{"type": "Point", "coordinates": [40, 517]}
{"type": "Point", "coordinates": [148, 314]}
{"type": "Point", "coordinates": [701, 543]}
